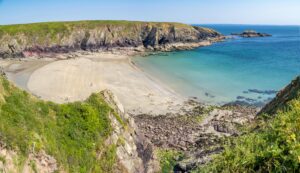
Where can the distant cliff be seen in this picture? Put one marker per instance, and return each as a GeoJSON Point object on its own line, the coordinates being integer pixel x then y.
{"type": "Point", "coordinates": [62, 37]}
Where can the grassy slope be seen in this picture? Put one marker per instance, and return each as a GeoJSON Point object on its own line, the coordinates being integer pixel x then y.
{"type": "Point", "coordinates": [65, 27]}
{"type": "Point", "coordinates": [273, 147]}
{"type": "Point", "coordinates": [73, 133]}
{"type": "Point", "coordinates": [54, 32]}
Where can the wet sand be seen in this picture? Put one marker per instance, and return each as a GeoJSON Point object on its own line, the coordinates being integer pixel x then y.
{"type": "Point", "coordinates": [70, 80]}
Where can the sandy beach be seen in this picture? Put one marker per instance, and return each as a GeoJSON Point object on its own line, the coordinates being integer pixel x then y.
{"type": "Point", "coordinates": [75, 79]}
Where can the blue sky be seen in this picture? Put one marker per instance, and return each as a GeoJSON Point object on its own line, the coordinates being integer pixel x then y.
{"type": "Point", "coordinates": [279, 12]}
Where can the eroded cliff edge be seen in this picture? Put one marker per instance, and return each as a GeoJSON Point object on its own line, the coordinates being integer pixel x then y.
{"type": "Point", "coordinates": [96, 135]}
{"type": "Point", "coordinates": [64, 37]}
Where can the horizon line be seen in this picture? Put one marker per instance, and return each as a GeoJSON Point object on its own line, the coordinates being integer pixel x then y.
{"type": "Point", "coordinates": [193, 23]}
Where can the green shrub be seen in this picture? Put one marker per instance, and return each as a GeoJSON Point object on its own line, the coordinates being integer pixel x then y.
{"type": "Point", "coordinates": [2, 159]}
{"type": "Point", "coordinates": [274, 147]}
{"type": "Point", "coordinates": [73, 133]}
{"type": "Point", "coordinates": [168, 159]}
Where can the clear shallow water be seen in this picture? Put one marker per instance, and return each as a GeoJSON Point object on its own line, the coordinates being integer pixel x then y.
{"type": "Point", "coordinates": [224, 72]}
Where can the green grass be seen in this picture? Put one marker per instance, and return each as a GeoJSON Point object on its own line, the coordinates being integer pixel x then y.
{"type": "Point", "coordinates": [168, 159]}
{"type": "Point", "coordinates": [53, 32]}
{"type": "Point", "coordinates": [273, 146]}
{"type": "Point", "coordinates": [91, 24]}
{"type": "Point", "coordinates": [73, 133]}
{"type": "Point", "coordinates": [33, 166]}
{"type": "Point", "coordinates": [2, 159]}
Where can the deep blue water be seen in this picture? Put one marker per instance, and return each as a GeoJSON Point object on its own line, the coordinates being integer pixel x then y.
{"type": "Point", "coordinates": [224, 72]}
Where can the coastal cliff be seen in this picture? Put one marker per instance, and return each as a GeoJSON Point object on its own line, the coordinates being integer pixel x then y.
{"type": "Point", "coordinates": [63, 37]}
{"type": "Point", "coordinates": [91, 136]}
{"type": "Point", "coordinates": [290, 92]}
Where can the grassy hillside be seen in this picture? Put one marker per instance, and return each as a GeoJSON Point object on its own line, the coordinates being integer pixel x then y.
{"type": "Point", "coordinates": [65, 28]}
{"type": "Point", "coordinates": [88, 24]}
{"type": "Point", "coordinates": [73, 133]}
{"type": "Point", "coordinates": [273, 143]}
{"type": "Point", "coordinates": [25, 40]}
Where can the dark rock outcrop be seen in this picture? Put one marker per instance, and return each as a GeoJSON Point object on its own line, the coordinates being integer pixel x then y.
{"type": "Point", "coordinates": [251, 33]}
{"type": "Point", "coordinates": [63, 37]}
{"type": "Point", "coordinates": [136, 154]}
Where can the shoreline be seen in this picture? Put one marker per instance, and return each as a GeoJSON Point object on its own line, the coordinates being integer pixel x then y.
{"type": "Point", "coordinates": [150, 101]}
{"type": "Point", "coordinates": [74, 79]}
{"type": "Point", "coordinates": [161, 116]}
{"type": "Point", "coordinates": [164, 119]}
{"type": "Point", "coordinates": [154, 79]}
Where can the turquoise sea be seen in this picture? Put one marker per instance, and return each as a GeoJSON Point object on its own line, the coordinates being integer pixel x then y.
{"type": "Point", "coordinates": [247, 70]}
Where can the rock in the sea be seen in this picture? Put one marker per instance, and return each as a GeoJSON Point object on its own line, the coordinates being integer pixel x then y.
{"type": "Point", "coordinates": [209, 95]}
{"type": "Point", "coordinates": [251, 33]}
{"type": "Point", "coordinates": [266, 92]}
{"type": "Point", "coordinates": [240, 97]}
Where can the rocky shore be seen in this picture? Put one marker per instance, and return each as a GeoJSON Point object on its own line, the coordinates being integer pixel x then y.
{"type": "Point", "coordinates": [163, 119]}
{"type": "Point", "coordinates": [197, 134]}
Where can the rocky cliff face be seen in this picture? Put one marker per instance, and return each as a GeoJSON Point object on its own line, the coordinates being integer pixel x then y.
{"type": "Point", "coordinates": [32, 39]}
{"type": "Point", "coordinates": [136, 154]}
{"type": "Point", "coordinates": [131, 152]}
{"type": "Point", "coordinates": [289, 93]}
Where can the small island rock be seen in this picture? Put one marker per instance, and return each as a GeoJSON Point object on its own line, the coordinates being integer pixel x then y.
{"type": "Point", "coordinates": [251, 34]}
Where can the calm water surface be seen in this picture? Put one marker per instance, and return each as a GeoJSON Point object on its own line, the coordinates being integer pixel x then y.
{"type": "Point", "coordinates": [239, 69]}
